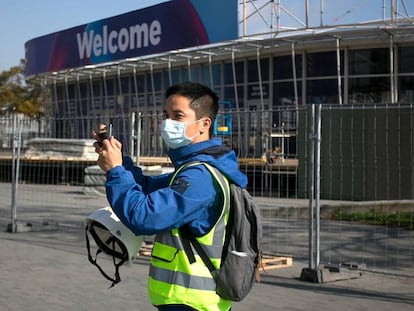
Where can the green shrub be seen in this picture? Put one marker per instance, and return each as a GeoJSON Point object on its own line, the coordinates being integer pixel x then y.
{"type": "Point", "coordinates": [396, 219]}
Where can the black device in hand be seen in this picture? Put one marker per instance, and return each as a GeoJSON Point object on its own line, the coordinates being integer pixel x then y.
{"type": "Point", "coordinates": [104, 133]}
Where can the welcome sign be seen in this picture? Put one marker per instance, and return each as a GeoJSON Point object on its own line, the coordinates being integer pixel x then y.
{"type": "Point", "coordinates": [102, 42]}
{"type": "Point", "coordinates": [167, 26]}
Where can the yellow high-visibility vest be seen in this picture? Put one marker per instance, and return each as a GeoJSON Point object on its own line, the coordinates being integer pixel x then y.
{"type": "Point", "coordinates": [173, 280]}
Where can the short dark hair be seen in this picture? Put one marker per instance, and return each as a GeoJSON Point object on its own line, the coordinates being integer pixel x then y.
{"type": "Point", "coordinates": [204, 101]}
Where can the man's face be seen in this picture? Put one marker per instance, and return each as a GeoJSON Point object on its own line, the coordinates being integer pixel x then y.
{"type": "Point", "coordinates": [177, 108]}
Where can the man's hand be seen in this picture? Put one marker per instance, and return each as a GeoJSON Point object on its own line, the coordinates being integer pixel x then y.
{"type": "Point", "coordinates": [110, 154]}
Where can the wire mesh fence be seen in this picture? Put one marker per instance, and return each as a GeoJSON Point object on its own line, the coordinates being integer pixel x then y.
{"type": "Point", "coordinates": [366, 176]}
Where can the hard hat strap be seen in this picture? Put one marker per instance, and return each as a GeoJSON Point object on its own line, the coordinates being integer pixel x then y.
{"type": "Point", "coordinates": [93, 261]}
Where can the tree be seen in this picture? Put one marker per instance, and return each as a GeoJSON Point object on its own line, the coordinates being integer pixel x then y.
{"type": "Point", "coordinates": [19, 95]}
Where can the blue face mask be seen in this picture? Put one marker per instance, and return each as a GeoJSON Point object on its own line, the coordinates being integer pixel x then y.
{"type": "Point", "coordinates": [173, 133]}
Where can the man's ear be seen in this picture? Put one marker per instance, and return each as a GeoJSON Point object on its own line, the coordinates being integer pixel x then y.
{"type": "Point", "coordinates": [206, 124]}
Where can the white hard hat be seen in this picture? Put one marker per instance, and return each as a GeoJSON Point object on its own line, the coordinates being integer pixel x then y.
{"type": "Point", "coordinates": [113, 238]}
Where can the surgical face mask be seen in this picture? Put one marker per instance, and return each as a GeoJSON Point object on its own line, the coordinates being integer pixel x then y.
{"type": "Point", "coordinates": [173, 133]}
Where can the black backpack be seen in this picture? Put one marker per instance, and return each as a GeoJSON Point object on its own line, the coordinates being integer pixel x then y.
{"type": "Point", "coordinates": [242, 250]}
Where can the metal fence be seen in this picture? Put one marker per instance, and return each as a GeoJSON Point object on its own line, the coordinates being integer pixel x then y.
{"type": "Point", "coordinates": [351, 202]}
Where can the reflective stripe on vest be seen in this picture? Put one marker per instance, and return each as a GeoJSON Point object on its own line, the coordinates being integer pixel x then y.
{"type": "Point", "coordinates": [173, 280]}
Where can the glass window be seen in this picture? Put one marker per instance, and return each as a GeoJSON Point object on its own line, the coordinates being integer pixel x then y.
{"type": "Point", "coordinates": [166, 75]}
{"type": "Point", "coordinates": [195, 74]}
{"type": "Point", "coordinates": [369, 61]}
{"type": "Point", "coordinates": [406, 60]}
{"type": "Point", "coordinates": [284, 93]}
{"type": "Point", "coordinates": [215, 72]}
{"type": "Point", "coordinates": [175, 77]}
{"type": "Point", "coordinates": [138, 84]}
{"type": "Point", "coordinates": [228, 73]}
{"type": "Point", "coordinates": [137, 90]}
{"type": "Point", "coordinates": [71, 91]}
{"type": "Point", "coordinates": [322, 91]}
{"type": "Point", "coordinates": [84, 90]}
{"type": "Point", "coordinates": [323, 64]}
{"type": "Point", "coordinates": [61, 93]}
{"type": "Point", "coordinates": [96, 88]}
{"type": "Point", "coordinates": [406, 89]}
{"type": "Point", "coordinates": [124, 85]}
{"type": "Point", "coordinates": [157, 76]}
{"type": "Point", "coordinates": [254, 91]}
{"type": "Point", "coordinates": [230, 96]}
{"type": "Point", "coordinates": [253, 70]}
{"type": "Point", "coordinates": [374, 90]}
{"type": "Point", "coordinates": [282, 67]}
{"type": "Point", "coordinates": [108, 86]}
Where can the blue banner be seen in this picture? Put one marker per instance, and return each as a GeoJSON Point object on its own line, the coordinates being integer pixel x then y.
{"type": "Point", "coordinates": [167, 26]}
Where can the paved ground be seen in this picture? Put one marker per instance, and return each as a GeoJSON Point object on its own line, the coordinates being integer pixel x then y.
{"type": "Point", "coordinates": [49, 270]}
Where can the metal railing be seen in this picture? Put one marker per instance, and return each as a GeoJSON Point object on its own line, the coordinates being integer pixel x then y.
{"type": "Point", "coordinates": [365, 208]}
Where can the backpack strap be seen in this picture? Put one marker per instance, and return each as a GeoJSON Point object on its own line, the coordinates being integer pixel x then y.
{"type": "Point", "coordinates": [187, 237]}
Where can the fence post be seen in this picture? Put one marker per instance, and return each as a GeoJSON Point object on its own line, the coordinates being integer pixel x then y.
{"type": "Point", "coordinates": [313, 273]}
{"type": "Point", "coordinates": [132, 136]}
{"type": "Point", "coordinates": [15, 173]}
{"type": "Point", "coordinates": [136, 119]}
{"type": "Point", "coordinates": [138, 139]}
{"type": "Point", "coordinates": [317, 190]}
{"type": "Point", "coordinates": [311, 180]}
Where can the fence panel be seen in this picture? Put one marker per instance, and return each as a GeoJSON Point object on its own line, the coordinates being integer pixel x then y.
{"type": "Point", "coordinates": [367, 163]}
{"type": "Point", "coordinates": [366, 176]}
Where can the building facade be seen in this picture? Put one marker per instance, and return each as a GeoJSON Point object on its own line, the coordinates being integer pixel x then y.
{"type": "Point", "coordinates": [263, 82]}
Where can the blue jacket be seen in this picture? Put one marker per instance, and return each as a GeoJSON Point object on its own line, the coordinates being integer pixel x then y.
{"type": "Point", "coordinates": [148, 204]}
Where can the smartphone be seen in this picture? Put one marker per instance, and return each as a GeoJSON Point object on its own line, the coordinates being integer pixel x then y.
{"type": "Point", "coordinates": [105, 133]}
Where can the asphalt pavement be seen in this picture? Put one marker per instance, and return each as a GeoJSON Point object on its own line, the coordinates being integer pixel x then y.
{"type": "Point", "coordinates": [45, 267]}
{"type": "Point", "coordinates": [49, 270]}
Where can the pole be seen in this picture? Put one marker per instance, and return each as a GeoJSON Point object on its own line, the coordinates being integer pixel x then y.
{"type": "Point", "coordinates": [132, 136]}
{"type": "Point", "coordinates": [278, 16]}
{"type": "Point", "coordinates": [236, 95]}
{"type": "Point", "coordinates": [393, 82]}
{"type": "Point", "coordinates": [134, 114]}
{"type": "Point", "coordinates": [322, 12]}
{"type": "Point", "coordinates": [259, 72]}
{"type": "Point", "coordinates": [81, 127]}
{"type": "Point", "coordinates": [338, 71]}
{"type": "Point", "coordinates": [170, 73]}
{"type": "Point", "coordinates": [154, 114]}
{"type": "Point", "coordinates": [317, 192]}
{"type": "Point", "coordinates": [138, 149]}
{"type": "Point", "coordinates": [307, 13]}
{"type": "Point", "coordinates": [313, 273]}
{"type": "Point", "coordinates": [311, 179]}
{"type": "Point", "coordinates": [105, 92]}
{"type": "Point", "coordinates": [244, 18]}
{"type": "Point", "coordinates": [189, 68]}
{"type": "Point", "coordinates": [14, 180]}
{"type": "Point", "coordinates": [91, 94]}
{"type": "Point", "coordinates": [15, 172]}
{"type": "Point", "coordinates": [210, 70]}
{"type": "Point", "coordinates": [295, 80]}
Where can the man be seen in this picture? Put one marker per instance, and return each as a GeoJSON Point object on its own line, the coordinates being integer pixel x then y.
{"type": "Point", "coordinates": [159, 205]}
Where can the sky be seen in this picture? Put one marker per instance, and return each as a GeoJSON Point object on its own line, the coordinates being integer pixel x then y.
{"type": "Point", "coordinates": [23, 20]}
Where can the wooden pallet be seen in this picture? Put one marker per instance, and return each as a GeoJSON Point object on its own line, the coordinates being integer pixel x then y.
{"type": "Point", "coordinates": [145, 250]}
{"type": "Point", "coordinates": [268, 261]}
{"type": "Point", "coordinates": [275, 262]}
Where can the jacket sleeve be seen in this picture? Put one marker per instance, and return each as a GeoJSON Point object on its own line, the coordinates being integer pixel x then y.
{"type": "Point", "coordinates": [148, 183]}
{"type": "Point", "coordinates": [191, 199]}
